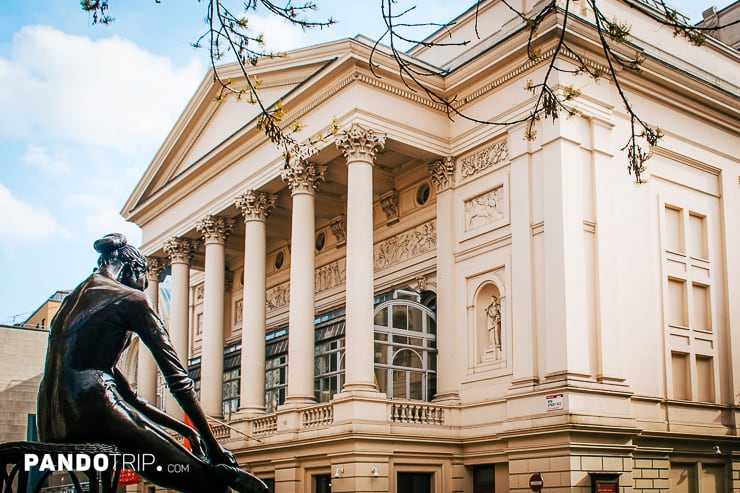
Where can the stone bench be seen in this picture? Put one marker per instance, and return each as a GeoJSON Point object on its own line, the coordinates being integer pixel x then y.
{"type": "Point", "coordinates": [14, 456]}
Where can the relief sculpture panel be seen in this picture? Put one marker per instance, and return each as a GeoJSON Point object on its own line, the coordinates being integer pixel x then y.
{"type": "Point", "coordinates": [484, 209]}
{"type": "Point", "coordinates": [405, 245]}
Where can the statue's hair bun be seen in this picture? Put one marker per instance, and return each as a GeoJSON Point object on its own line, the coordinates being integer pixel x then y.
{"type": "Point", "coordinates": [109, 243]}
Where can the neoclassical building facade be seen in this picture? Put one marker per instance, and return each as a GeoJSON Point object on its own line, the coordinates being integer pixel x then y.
{"type": "Point", "coordinates": [436, 305]}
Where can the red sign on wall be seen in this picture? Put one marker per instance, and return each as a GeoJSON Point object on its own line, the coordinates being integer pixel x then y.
{"type": "Point", "coordinates": [606, 487]}
{"type": "Point", "coordinates": [535, 482]}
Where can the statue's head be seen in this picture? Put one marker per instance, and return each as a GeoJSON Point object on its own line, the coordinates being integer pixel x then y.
{"type": "Point", "coordinates": [123, 261]}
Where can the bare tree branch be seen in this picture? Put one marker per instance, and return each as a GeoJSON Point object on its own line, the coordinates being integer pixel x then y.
{"type": "Point", "coordinates": [229, 33]}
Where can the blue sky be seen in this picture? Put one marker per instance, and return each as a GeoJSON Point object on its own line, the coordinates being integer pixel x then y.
{"type": "Point", "coordinates": [84, 108]}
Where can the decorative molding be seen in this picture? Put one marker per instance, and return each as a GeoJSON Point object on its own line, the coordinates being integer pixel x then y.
{"type": "Point", "coordinates": [485, 208]}
{"type": "Point", "coordinates": [180, 250]}
{"type": "Point", "coordinates": [338, 227]}
{"type": "Point", "coordinates": [359, 143]}
{"type": "Point", "coordinates": [405, 245]}
{"type": "Point", "coordinates": [442, 173]}
{"type": "Point", "coordinates": [199, 293]}
{"type": "Point", "coordinates": [490, 156]}
{"type": "Point", "coordinates": [421, 283]}
{"type": "Point", "coordinates": [303, 176]}
{"type": "Point", "coordinates": [156, 265]}
{"type": "Point", "coordinates": [255, 205]}
{"type": "Point", "coordinates": [389, 203]}
{"type": "Point", "coordinates": [215, 229]}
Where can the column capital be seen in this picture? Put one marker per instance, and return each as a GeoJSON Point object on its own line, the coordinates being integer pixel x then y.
{"type": "Point", "coordinates": [303, 176]}
{"type": "Point", "coordinates": [442, 172]}
{"type": "Point", "coordinates": [215, 229]}
{"type": "Point", "coordinates": [156, 266]}
{"type": "Point", "coordinates": [179, 250]}
{"type": "Point", "coordinates": [255, 205]}
{"type": "Point", "coordinates": [359, 143]}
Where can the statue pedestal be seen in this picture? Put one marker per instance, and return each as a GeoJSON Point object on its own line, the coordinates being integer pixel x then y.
{"type": "Point", "coordinates": [491, 354]}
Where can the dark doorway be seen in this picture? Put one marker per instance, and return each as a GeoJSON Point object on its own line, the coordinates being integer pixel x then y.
{"type": "Point", "coordinates": [414, 482]}
{"type": "Point", "coordinates": [322, 483]}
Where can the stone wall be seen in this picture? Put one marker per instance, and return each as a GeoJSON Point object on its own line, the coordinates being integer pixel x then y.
{"type": "Point", "coordinates": [22, 353]}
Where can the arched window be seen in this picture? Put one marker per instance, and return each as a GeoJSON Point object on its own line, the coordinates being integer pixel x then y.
{"type": "Point", "coordinates": [406, 350]}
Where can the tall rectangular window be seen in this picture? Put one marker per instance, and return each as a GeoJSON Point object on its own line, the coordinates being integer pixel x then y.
{"type": "Point", "coordinates": [276, 369]}
{"type": "Point", "coordinates": [329, 354]}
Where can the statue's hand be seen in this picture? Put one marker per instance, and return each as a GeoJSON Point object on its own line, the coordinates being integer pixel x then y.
{"type": "Point", "coordinates": [220, 455]}
{"type": "Point", "coordinates": [196, 444]}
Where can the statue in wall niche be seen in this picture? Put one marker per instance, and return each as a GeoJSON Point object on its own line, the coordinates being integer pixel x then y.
{"type": "Point", "coordinates": [85, 398]}
{"type": "Point", "coordinates": [493, 323]}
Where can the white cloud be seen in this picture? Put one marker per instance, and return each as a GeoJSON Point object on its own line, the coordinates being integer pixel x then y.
{"type": "Point", "coordinates": [24, 223]}
{"type": "Point", "coordinates": [39, 157]}
{"type": "Point", "coordinates": [108, 92]}
{"type": "Point", "coordinates": [279, 34]}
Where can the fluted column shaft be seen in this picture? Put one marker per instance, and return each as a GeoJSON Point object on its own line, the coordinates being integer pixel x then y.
{"type": "Point", "coordinates": [146, 373]}
{"type": "Point", "coordinates": [303, 179]}
{"type": "Point", "coordinates": [180, 252]}
{"type": "Point", "coordinates": [215, 230]}
{"type": "Point", "coordinates": [359, 147]}
{"type": "Point", "coordinates": [256, 208]}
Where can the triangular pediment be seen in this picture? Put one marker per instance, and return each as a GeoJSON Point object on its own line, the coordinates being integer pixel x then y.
{"type": "Point", "coordinates": [207, 122]}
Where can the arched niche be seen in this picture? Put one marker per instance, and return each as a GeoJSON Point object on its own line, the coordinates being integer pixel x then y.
{"type": "Point", "coordinates": [489, 322]}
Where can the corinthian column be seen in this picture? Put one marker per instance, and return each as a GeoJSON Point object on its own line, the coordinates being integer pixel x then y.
{"type": "Point", "coordinates": [303, 179]}
{"type": "Point", "coordinates": [256, 208]}
{"type": "Point", "coordinates": [215, 230]}
{"type": "Point", "coordinates": [442, 173]}
{"type": "Point", "coordinates": [180, 252]}
{"type": "Point", "coordinates": [146, 373]}
{"type": "Point", "coordinates": [359, 147]}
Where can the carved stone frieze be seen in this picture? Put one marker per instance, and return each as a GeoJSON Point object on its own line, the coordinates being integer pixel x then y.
{"type": "Point", "coordinates": [389, 203]}
{"type": "Point", "coordinates": [156, 265]}
{"type": "Point", "coordinates": [442, 173]}
{"type": "Point", "coordinates": [215, 229]}
{"type": "Point", "coordinates": [405, 245]}
{"type": "Point", "coordinates": [255, 205]}
{"type": "Point", "coordinates": [325, 277]}
{"type": "Point", "coordinates": [338, 227]}
{"type": "Point", "coordinates": [490, 156]}
{"type": "Point", "coordinates": [180, 250]}
{"type": "Point", "coordinates": [278, 296]}
{"type": "Point", "coordinates": [330, 276]}
{"type": "Point", "coordinates": [303, 176]}
{"type": "Point", "coordinates": [199, 293]}
{"type": "Point", "coordinates": [360, 143]}
{"type": "Point", "coordinates": [485, 208]}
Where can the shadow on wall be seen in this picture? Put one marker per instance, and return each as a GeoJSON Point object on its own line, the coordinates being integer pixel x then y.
{"type": "Point", "coordinates": [17, 401]}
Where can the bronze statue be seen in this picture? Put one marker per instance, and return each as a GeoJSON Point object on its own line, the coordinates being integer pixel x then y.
{"type": "Point", "coordinates": [84, 398]}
